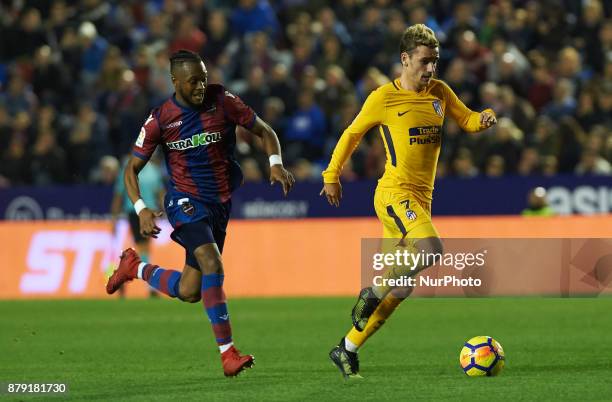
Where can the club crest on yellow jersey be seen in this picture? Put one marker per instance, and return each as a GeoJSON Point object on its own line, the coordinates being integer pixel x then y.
{"type": "Point", "coordinates": [437, 105]}
{"type": "Point", "coordinates": [410, 214]}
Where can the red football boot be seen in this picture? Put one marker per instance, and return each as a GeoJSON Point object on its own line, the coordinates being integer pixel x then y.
{"type": "Point", "coordinates": [234, 363]}
{"type": "Point", "coordinates": [127, 270]}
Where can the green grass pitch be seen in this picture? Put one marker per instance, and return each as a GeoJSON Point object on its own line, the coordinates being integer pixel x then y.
{"type": "Point", "coordinates": [146, 350]}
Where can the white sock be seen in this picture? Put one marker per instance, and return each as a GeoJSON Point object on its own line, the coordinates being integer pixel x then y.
{"type": "Point", "coordinates": [140, 268]}
{"type": "Point", "coordinates": [224, 348]}
{"type": "Point", "coordinates": [350, 346]}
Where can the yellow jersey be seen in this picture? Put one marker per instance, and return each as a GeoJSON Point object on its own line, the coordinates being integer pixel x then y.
{"type": "Point", "coordinates": [410, 124]}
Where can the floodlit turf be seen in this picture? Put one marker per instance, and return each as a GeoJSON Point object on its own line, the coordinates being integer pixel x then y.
{"type": "Point", "coordinates": [556, 349]}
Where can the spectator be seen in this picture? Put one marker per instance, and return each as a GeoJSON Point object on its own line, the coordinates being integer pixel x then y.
{"type": "Point", "coordinates": [495, 166]}
{"type": "Point", "coordinates": [256, 91]}
{"type": "Point", "coordinates": [463, 165]}
{"type": "Point", "coordinates": [463, 83]}
{"type": "Point", "coordinates": [283, 86]}
{"type": "Point", "coordinates": [337, 87]}
{"type": "Point", "coordinates": [19, 96]}
{"type": "Point", "coordinates": [254, 16]}
{"type": "Point", "coordinates": [218, 36]}
{"type": "Point", "coordinates": [49, 79]}
{"type": "Point", "coordinates": [93, 50]}
{"type": "Point", "coordinates": [328, 25]}
{"type": "Point", "coordinates": [188, 36]}
{"type": "Point", "coordinates": [537, 205]}
{"type": "Point", "coordinates": [368, 36]}
{"type": "Point", "coordinates": [563, 102]}
{"type": "Point", "coordinates": [15, 167]}
{"type": "Point", "coordinates": [507, 144]}
{"type": "Point", "coordinates": [550, 165]}
{"type": "Point", "coordinates": [87, 141]}
{"type": "Point", "coordinates": [543, 65]}
{"type": "Point", "coordinates": [251, 171]}
{"type": "Point", "coordinates": [332, 54]}
{"type": "Point", "coordinates": [591, 163]}
{"type": "Point", "coordinates": [48, 163]}
{"type": "Point", "coordinates": [306, 129]}
{"type": "Point", "coordinates": [27, 37]}
{"type": "Point", "coordinates": [529, 163]}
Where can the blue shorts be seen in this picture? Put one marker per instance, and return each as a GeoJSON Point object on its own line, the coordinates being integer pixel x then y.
{"type": "Point", "coordinates": [196, 223]}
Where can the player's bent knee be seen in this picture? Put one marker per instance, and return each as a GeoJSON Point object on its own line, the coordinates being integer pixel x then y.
{"type": "Point", "coordinates": [190, 298]}
{"type": "Point", "coordinates": [210, 263]}
{"type": "Point", "coordinates": [432, 248]}
{"type": "Point", "coordinates": [189, 294]}
{"type": "Point", "coordinates": [402, 292]}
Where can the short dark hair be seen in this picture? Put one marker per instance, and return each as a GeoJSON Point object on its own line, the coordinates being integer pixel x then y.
{"type": "Point", "coordinates": [183, 56]}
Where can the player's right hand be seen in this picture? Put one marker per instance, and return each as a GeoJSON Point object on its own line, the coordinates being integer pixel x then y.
{"type": "Point", "coordinates": [279, 174]}
{"type": "Point", "coordinates": [333, 192]}
{"type": "Point", "coordinates": [148, 227]}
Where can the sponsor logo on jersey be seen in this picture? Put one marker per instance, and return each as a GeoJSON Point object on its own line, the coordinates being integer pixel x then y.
{"type": "Point", "coordinates": [437, 105]}
{"type": "Point", "coordinates": [174, 124]}
{"type": "Point", "coordinates": [196, 140]}
{"type": "Point", "coordinates": [425, 135]}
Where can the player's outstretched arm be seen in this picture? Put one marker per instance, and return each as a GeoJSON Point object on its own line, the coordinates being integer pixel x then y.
{"type": "Point", "coordinates": [148, 227]}
{"type": "Point", "coordinates": [467, 119]}
{"type": "Point", "coordinates": [370, 115]}
{"type": "Point", "coordinates": [270, 140]}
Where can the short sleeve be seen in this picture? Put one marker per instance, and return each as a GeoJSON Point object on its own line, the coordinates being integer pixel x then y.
{"type": "Point", "coordinates": [237, 111]}
{"type": "Point", "coordinates": [148, 139]}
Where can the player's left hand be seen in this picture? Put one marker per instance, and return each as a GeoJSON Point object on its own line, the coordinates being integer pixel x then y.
{"type": "Point", "coordinates": [279, 174]}
{"type": "Point", "coordinates": [487, 119]}
{"type": "Point", "coordinates": [333, 193]}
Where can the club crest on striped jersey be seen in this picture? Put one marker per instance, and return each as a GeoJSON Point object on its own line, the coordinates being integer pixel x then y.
{"type": "Point", "coordinates": [437, 105]}
{"type": "Point", "coordinates": [187, 207]}
{"type": "Point", "coordinates": [196, 140]}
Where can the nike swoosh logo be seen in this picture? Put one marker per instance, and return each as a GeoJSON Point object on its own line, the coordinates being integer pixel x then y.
{"type": "Point", "coordinates": [224, 317]}
{"type": "Point", "coordinates": [400, 114]}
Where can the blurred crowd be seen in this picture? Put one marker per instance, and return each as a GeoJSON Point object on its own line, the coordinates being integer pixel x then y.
{"type": "Point", "coordinates": [77, 80]}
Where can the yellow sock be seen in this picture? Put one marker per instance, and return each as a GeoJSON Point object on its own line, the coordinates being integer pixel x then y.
{"type": "Point", "coordinates": [377, 319]}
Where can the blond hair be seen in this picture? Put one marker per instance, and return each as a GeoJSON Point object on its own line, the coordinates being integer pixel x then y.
{"type": "Point", "coordinates": [418, 35]}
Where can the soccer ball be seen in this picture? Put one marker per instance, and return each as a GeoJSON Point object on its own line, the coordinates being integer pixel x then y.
{"type": "Point", "coordinates": [482, 355]}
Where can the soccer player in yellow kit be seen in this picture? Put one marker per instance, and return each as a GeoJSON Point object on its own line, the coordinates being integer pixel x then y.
{"type": "Point", "coordinates": [409, 113]}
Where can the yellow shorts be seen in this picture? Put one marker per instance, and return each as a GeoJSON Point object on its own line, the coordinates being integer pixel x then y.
{"type": "Point", "coordinates": [404, 214]}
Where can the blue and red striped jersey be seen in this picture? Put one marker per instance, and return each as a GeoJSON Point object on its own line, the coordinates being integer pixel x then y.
{"type": "Point", "coordinates": [198, 144]}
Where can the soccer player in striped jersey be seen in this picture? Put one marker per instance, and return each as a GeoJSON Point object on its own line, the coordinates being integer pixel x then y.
{"type": "Point", "coordinates": [408, 113]}
{"type": "Point", "coordinates": [195, 129]}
